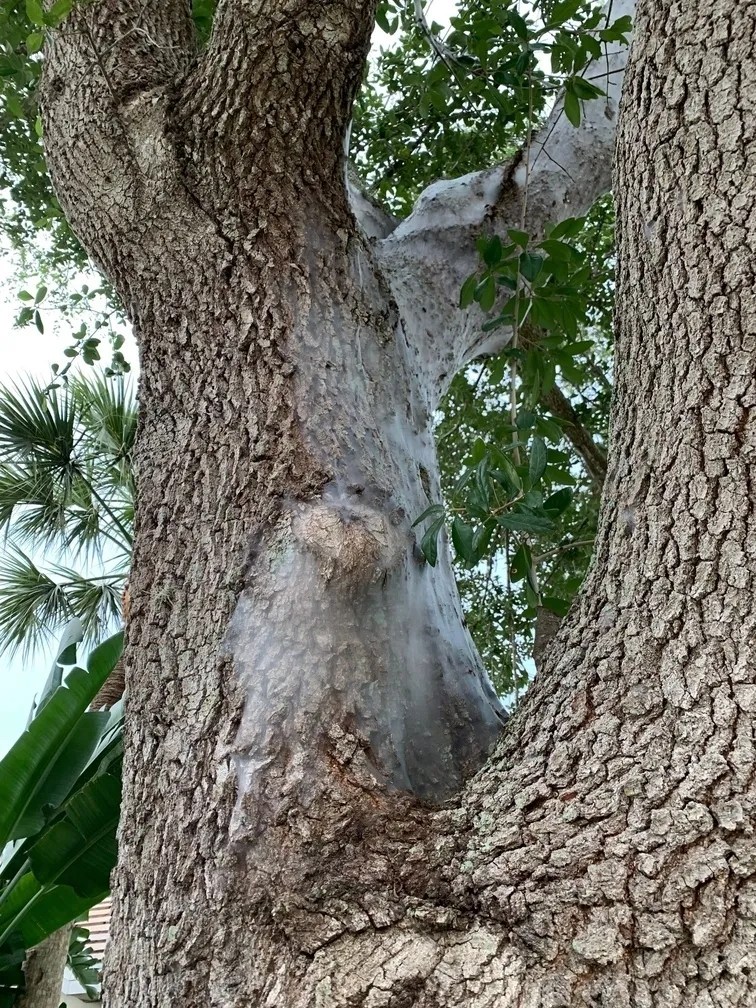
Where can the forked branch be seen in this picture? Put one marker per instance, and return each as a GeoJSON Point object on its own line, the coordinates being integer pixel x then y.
{"type": "Point", "coordinates": [430, 254]}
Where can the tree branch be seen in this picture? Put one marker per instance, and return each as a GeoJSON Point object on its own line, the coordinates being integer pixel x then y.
{"type": "Point", "coordinates": [292, 66]}
{"type": "Point", "coordinates": [429, 255]}
{"type": "Point", "coordinates": [105, 66]}
{"type": "Point", "coordinates": [593, 456]}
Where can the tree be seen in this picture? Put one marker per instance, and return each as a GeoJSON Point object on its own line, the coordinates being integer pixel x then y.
{"type": "Point", "coordinates": [306, 708]}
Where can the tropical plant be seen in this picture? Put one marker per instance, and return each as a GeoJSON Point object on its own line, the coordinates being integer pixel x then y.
{"type": "Point", "coordinates": [66, 492]}
{"type": "Point", "coordinates": [60, 788]}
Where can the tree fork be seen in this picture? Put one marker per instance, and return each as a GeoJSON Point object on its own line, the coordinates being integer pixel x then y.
{"type": "Point", "coordinates": [282, 626]}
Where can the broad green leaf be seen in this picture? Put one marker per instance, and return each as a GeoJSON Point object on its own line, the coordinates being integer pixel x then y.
{"type": "Point", "coordinates": [519, 521]}
{"type": "Point", "coordinates": [462, 537]}
{"type": "Point", "coordinates": [467, 294]}
{"type": "Point", "coordinates": [491, 251]}
{"type": "Point", "coordinates": [35, 12]}
{"type": "Point", "coordinates": [537, 460]}
{"type": "Point", "coordinates": [520, 238]}
{"type": "Point", "coordinates": [34, 911]}
{"type": "Point", "coordinates": [556, 605]}
{"type": "Point", "coordinates": [531, 265]}
{"type": "Point", "coordinates": [572, 107]}
{"type": "Point", "coordinates": [429, 542]}
{"type": "Point", "coordinates": [63, 772]}
{"type": "Point", "coordinates": [80, 850]}
{"type": "Point", "coordinates": [35, 766]}
{"type": "Point", "coordinates": [34, 42]}
{"type": "Point", "coordinates": [73, 633]}
{"type": "Point", "coordinates": [486, 293]}
{"type": "Point", "coordinates": [434, 509]}
{"type": "Point", "coordinates": [59, 10]}
{"type": "Point", "coordinates": [563, 11]}
{"type": "Point", "coordinates": [558, 502]}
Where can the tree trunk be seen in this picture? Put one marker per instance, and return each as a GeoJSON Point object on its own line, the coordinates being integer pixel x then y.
{"type": "Point", "coordinates": [303, 696]}
{"type": "Point", "coordinates": [43, 971]}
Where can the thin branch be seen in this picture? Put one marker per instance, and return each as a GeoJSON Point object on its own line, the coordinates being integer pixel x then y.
{"type": "Point", "coordinates": [593, 456]}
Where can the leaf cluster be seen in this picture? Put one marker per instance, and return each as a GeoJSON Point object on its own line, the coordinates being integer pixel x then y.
{"type": "Point", "coordinates": [60, 793]}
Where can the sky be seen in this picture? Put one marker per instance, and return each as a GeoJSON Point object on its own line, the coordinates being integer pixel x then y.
{"type": "Point", "coordinates": [29, 352]}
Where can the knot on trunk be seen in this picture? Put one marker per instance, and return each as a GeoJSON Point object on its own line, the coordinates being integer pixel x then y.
{"type": "Point", "coordinates": [353, 542]}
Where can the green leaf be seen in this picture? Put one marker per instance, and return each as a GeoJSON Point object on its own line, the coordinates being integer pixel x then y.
{"type": "Point", "coordinates": [35, 911]}
{"type": "Point", "coordinates": [520, 238]}
{"type": "Point", "coordinates": [73, 632]}
{"type": "Point", "coordinates": [462, 537]}
{"type": "Point", "coordinates": [491, 251]}
{"type": "Point", "coordinates": [537, 460]}
{"type": "Point", "coordinates": [478, 451]}
{"type": "Point", "coordinates": [570, 227]}
{"type": "Point", "coordinates": [429, 542]}
{"type": "Point", "coordinates": [572, 107]}
{"type": "Point", "coordinates": [467, 294]}
{"type": "Point", "coordinates": [59, 10]}
{"type": "Point", "coordinates": [482, 540]}
{"type": "Point", "coordinates": [564, 10]}
{"type": "Point", "coordinates": [585, 90]}
{"type": "Point", "coordinates": [519, 521]}
{"type": "Point", "coordinates": [486, 293]}
{"type": "Point", "coordinates": [531, 265]}
{"type": "Point", "coordinates": [80, 851]}
{"type": "Point", "coordinates": [35, 12]}
{"type": "Point", "coordinates": [521, 562]}
{"type": "Point", "coordinates": [434, 509]}
{"type": "Point", "coordinates": [558, 502]}
{"type": "Point", "coordinates": [105, 656]}
{"type": "Point", "coordinates": [556, 605]}
{"type": "Point", "coordinates": [37, 767]}
{"type": "Point", "coordinates": [519, 24]}
{"type": "Point", "coordinates": [34, 42]}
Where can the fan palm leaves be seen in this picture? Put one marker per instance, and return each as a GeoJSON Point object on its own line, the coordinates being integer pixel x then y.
{"type": "Point", "coordinates": [66, 506]}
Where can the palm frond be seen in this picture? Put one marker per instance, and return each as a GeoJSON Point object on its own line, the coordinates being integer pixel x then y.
{"type": "Point", "coordinates": [95, 600]}
{"type": "Point", "coordinates": [107, 407]}
{"type": "Point", "coordinates": [35, 603]}
{"type": "Point", "coordinates": [23, 485]}
{"type": "Point", "coordinates": [66, 492]}
{"type": "Point", "coordinates": [32, 604]}
{"type": "Point", "coordinates": [39, 425]}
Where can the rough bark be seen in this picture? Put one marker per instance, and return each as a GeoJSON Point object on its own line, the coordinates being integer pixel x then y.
{"type": "Point", "coordinates": [43, 971]}
{"type": "Point", "coordinates": [302, 692]}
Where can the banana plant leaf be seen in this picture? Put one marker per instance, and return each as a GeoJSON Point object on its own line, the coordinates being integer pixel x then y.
{"type": "Point", "coordinates": [73, 633]}
{"type": "Point", "coordinates": [83, 964]}
{"type": "Point", "coordinates": [33, 912]}
{"type": "Point", "coordinates": [42, 767]}
{"type": "Point", "coordinates": [70, 865]}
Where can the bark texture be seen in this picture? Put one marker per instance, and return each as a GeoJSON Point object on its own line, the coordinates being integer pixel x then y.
{"type": "Point", "coordinates": [43, 971]}
{"type": "Point", "coordinates": [302, 692]}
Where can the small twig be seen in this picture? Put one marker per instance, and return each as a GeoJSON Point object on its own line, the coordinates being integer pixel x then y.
{"type": "Point", "coordinates": [575, 544]}
{"type": "Point", "coordinates": [593, 456]}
